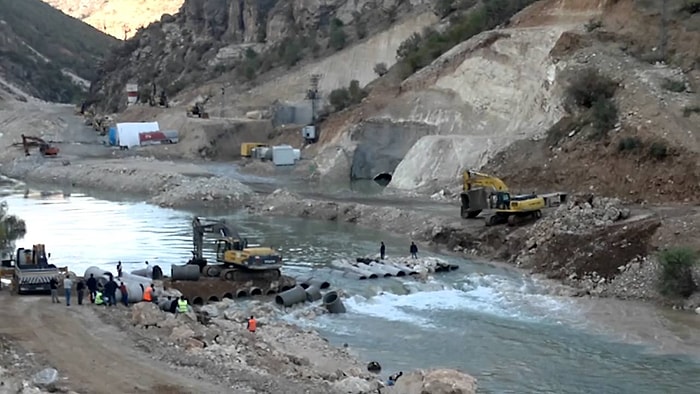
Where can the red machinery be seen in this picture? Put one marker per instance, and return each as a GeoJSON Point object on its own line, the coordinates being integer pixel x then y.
{"type": "Point", "coordinates": [44, 147]}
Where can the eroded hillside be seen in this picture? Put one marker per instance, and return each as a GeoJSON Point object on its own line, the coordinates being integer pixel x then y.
{"type": "Point", "coordinates": [47, 54]}
{"type": "Point", "coordinates": [118, 18]}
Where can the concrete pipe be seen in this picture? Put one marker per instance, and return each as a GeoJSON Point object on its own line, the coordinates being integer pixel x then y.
{"type": "Point", "coordinates": [353, 275]}
{"type": "Point", "coordinates": [97, 272]}
{"type": "Point", "coordinates": [367, 274]}
{"type": "Point", "coordinates": [198, 301]}
{"type": "Point", "coordinates": [230, 295]}
{"type": "Point", "coordinates": [380, 271]}
{"type": "Point", "coordinates": [212, 271]}
{"type": "Point", "coordinates": [135, 278]}
{"type": "Point", "coordinates": [134, 291]}
{"type": "Point", "coordinates": [241, 293]}
{"type": "Point", "coordinates": [389, 268]}
{"type": "Point", "coordinates": [287, 287]}
{"type": "Point", "coordinates": [213, 298]}
{"type": "Point", "coordinates": [333, 303]}
{"type": "Point", "coordinates": [255, 291]}
{"type": "Point", "coordinates": [271, 291]}
{"type": "Point", "coordinates": [145, 272]}
{"type": "Point", "coordinates": [405, 269]}
{"type": "Point", "coordinates": [313, 293]}
{"type": "Point", "coordinates": [184, 272]}
{"type": "Point", "coordinates": [322, 284]}
{"type": "Point", "coordinates": [454, 267]}
{"type": "Point", "coordinates": [291, 297]}
{"type": "Point", "coordinates": [304, 281]}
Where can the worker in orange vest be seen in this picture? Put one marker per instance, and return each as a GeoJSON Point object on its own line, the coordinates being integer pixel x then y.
{"type": "Point", "coordinates": [148, 293]}
{"type": "Point", "coordinates": [252, 324]}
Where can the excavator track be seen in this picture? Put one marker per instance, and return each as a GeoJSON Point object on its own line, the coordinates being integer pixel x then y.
{"type": "Point", "coordinates": [238, 275]}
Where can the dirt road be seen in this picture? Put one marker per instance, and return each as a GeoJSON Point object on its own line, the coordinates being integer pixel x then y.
{"type": "Point", "coordinates": [94, 357]}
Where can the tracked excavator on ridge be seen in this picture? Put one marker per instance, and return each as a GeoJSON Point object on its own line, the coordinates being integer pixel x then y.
{"type": "Point", "coordinates": [236, 261]}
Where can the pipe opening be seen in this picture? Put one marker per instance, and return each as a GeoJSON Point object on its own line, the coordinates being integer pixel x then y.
{"type": "Point", "coordinates": [241, 294]}
{"type": "Point", "coordinates": [388, 275]}
{"type": "Point", "coordinates": [213, 299]}
{"type": "Point", "coordinates": [279, 300]}
{"type": "Point", "coordinates": [229, 296]}
{"type": "Point", "coordinates": [330, 298]}
{"type": "Point", "coordinates": [382, 179]}
{"type": "Point", "coordinates": [373, 276]}
{"type": "Point", "coordinates": [270, 292]}
{"type": "Point", "coordinates": [454, 267]}
{"type": "Point", "coordinates": [401, 273]}
{"type": "Point", "coordinates": [198, 301]}
{"type": "Point", "coordinates": [255, 291]}
{"type": "Point", "coordinates": [303, 285]}
{"type": "Point", "coordinates": [285, 288]}
{"type": "Point", "coordinates": [325, 285]}
{"type": "Point", "coordinates": [362, 277]}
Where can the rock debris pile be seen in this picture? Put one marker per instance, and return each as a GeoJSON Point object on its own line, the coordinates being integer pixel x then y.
{"type": "Point", "coordinates": [20, 373]}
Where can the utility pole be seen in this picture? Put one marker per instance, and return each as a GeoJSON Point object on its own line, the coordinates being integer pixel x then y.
{"type": "Point", "coordinates": [663, 46]}
{"type": "Point", "coordinates": [313, 95]}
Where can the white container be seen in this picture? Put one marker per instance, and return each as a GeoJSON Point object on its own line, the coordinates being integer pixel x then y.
{"type": "Point", "coordinates": [283, 155]}
{"type": "Point", "coordinates": [297, 154]}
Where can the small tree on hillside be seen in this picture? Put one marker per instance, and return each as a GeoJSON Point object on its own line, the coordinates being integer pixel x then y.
{"type": "Point", "coordinates": [677, 272]}
{"type": "Point", "coordinates": [381, 69]}
{"type": "Point", "coordinates": [12, 228]}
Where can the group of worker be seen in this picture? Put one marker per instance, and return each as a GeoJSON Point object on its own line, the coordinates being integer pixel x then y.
{"type": "Point", "coordinates": [413, 250]}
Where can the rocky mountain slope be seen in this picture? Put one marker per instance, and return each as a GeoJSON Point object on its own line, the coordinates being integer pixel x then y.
{"type": "Point", "coordinates": [45, 53]}
{"type": "Point", "coordinates": [118, 18]}
{"type": "Point", "coordinates": [545, 94]}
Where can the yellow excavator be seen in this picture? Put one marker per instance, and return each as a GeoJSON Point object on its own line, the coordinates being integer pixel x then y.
{"type": "Point", "coordinates": [237, 261]}
{"type": "Point", "coordinates": [482, 191]}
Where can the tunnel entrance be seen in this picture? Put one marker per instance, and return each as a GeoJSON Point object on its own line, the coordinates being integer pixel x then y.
{"type": "Point", "coordinates": [383, 178]}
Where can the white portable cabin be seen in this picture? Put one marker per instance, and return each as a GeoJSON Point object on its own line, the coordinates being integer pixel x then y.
{"type": "Point", "coordinates": [283, 155]}
{"type": "Point", "coordinates": [128, 133]}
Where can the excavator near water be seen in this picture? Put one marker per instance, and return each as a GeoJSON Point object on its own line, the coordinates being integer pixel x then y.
{"type": "Point", "coordinates": [486, 192]}
{"type": "Point", "coordinates": [236, 260]}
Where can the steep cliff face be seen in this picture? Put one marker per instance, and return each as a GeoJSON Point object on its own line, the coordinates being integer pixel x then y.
{"type": "Point", "coordinates": [239, 38]}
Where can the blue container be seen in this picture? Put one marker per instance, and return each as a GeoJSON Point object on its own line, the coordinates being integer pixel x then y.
{"type": "Point", "coordinates": [113, 136]}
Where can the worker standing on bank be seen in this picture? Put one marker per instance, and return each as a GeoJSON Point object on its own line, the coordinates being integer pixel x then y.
{"type": "Point", "coordinates": [80, 289]}
{"type": "Point", "coordinates": [414, 250]}
{"type": "Point", "coordinates": [382, 251]}
{"type": "Point", "coordinates": [53, 283]}
{"type": "Point", "coordinates": [252, 324]}
{"type": "Point", "coordinates": [125, 293]}
{"type": "Point", "coordinates": [92, 287]}
{"type": "Point", "coordinates": [119, 269]}
{"type": "Point", "coordinates": [68, 287]}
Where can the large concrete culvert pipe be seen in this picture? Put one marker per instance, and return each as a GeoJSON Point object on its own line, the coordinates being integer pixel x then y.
{"type": "Point", "coordinates": [333, 303]}
{"type": "Point", "coordinates": [313, 293]}
{"type": "Point", "coordinates": [241, 294]}
{"type": "Point", "coordinates": [230, 296]}
{"type": "Point", "coordinates": [383, 178]}
{"type": "Point", "coordinates": [306, 282]}
{"type": "Point", "coordinates": [255, 291]}
{"type": "Point", "coordinates": [213, 298]}
{"type": "Point", "coordinates": [100, 274]}
{"type": "Point", "coordinates": [184, 272]}
{"type": "Point", "coordinates": [271, 291]}
{"type": "Point", "coordinates": [291, 296]}
{"type": "Point", "coordinates": [379, 270]}
{"type": "Point", "coordinates": [286, 287]}
{"type": "Point", "coordinates": [154, 272]}
{"type": "Point", "coordinates": [134, 292]}
{"type": "Point", "coordinates": [199, 301]}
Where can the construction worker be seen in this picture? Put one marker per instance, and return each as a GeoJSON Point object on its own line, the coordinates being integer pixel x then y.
{"type": "Point", "coordinates": [382, 251]}
{"type": "Point", "coordinates": [148, 293]}
{"type": "Point", "coordinates": [252, 324]}
{"type": "Point", "coordinates": [125, 293]}
{"type": "Point", "coordinates": [414, 250]}
{"type": "Point", "coordinates": [92, 287]}
{"type": "Point", "coordinates": [119, 269]}
{"type": "Point", "coordinates": [98, 298]}
{"type": "Point", "coordinates": [182, 305]}
{"type": "Point", "coordinates": [80, 289]}
{"type": "Point", "coordinates": [53, 283]}
{"type": "Point", "coordinates": [67, 286]}
{"type": "Point", "coordinates": [393, 378]}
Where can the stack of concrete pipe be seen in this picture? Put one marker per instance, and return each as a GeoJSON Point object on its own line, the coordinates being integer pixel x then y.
{"type": "Point", "coordinates": [187, 272]}
{"type": "Point", "coordinates": [353, 271]}
{"type": "Point", "coordinates": [100, 274]}
{"type": "Point", "coordinates": [295, 295]}
{"type": "Point", "coordinates": [333, 303]}
{"type": "Point", "coordinates": [311, 281]}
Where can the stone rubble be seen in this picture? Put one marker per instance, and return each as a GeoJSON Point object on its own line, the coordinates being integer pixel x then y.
{"type": "Point", "coordinates": [21, 373]}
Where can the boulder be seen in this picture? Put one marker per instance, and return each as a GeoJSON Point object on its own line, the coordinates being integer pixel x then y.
{"type": "Point", "coordinates": [352, 385]}
{"type": "Point", "coordinates": [437, 381]}
{"type": "Point", "coordinates": [182, 333]}
{"type": "Point", "coordinates": [210, 310]}
{"type": "Point", "coordinates": [146, 314]}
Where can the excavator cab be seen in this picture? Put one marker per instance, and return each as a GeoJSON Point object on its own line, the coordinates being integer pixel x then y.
{"type": "Point", "coordinates": [235, 251]}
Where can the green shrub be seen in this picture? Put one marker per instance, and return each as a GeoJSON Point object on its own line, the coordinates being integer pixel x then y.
{"type": "Point", "coordinates": [345, 97]}
{"type": "Point", "coordinates": [629, 144]}
{"type": "Point", "coordinates": [442, 8]}
{"type": "Point", "coordinates": [673, 85]}
{"type": "Point", "coordinates": [677, 272]}
{"type": "Point", "coordinates": [337, 36]}
{"type": "Point", "coordinates": [589, 86]}
{"type": "Point", "coordinates": [691, 6]}
{"type": "Point", "coordinates": [593, 25]}
{"type": "Point", "coordinates": [691, 109]}
{"type": "Point", "coordinates": [381, 69]}
{"type": "Point", "coordinates": [604, 113]}
{"type": "Point", "coordinates": [658, 150]}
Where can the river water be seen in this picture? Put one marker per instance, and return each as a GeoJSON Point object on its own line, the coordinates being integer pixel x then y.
{"type": "Point", "coordinates": [498, 324]}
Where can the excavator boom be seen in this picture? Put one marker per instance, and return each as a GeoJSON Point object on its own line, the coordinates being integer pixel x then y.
{"type": "Point", "coordinates": [473, 179]}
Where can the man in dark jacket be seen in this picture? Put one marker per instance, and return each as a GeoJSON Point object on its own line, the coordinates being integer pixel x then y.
{"type": "Point", "coordinates": [414, 250]}
{"type": "Point", "coordinates": [125, 294]}
{"type": "Point", "coordinates": [80, 289]}
{"type": "Point", "coordinates": [382, 251]}
{"type": "Point", "coordinates": [111, 292]}
{"type": "Point", "coordinates": [92, 287]}
{"type": "Point", "coordinates": [53, 283]}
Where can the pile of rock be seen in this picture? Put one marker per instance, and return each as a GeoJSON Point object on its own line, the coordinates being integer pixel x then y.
{"type": "Point", "coordinates": [183, 190]}
{"type": "Point", "coordinates": [20, 373]}
{"type": "Point", "coordinates": [579, 215]}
